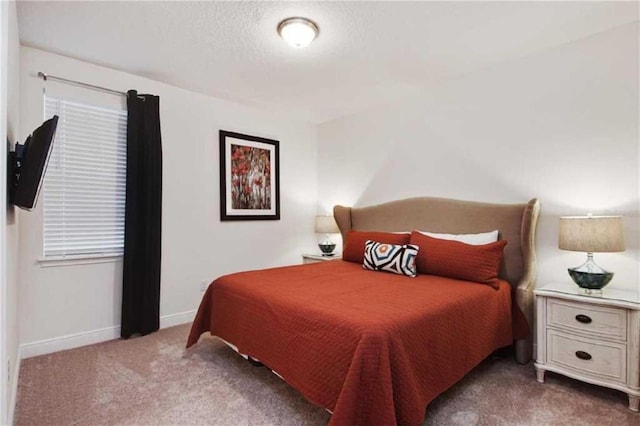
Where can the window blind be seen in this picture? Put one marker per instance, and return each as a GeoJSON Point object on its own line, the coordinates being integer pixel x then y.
{"type": "Point", "coordinates": [84, 187]}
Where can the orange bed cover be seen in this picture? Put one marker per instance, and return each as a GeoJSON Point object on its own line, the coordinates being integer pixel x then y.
{"type": "Point", "coordinates": [373, 347]}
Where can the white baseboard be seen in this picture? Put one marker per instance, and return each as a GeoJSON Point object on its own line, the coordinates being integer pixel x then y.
{"type": "Point", "coordinates": [14, 386]}
{"type": "Point", "coordinates": [70, 341]}
{"type": "Point", "coordinates": [177, 319]}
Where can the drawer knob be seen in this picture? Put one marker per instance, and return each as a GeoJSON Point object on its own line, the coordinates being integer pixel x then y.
{"type": "Point", "coordinates": [583, 355]}
{"type": "Point", "coordinates": [583, 319]}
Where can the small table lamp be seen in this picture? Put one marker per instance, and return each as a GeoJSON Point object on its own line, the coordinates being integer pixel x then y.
{"type": "Point", "coordinates": [591, 234]}
{"type": "Point", "coordinates": [326, 225]}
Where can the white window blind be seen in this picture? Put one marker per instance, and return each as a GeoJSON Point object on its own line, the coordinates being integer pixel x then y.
{"type": "Point", "coordinates": [84, 187]}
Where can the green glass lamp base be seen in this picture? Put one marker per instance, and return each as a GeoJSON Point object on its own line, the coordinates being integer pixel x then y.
{"type": "Point", "coordinates": [589, 275]}
{"type": "Point", "coordinates": [327, 248]}
{"type": "Point", "coordinates": [589, 280]}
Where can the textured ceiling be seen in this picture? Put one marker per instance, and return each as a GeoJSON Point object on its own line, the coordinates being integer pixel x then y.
{"type": "Point", "coordinates": [367, 53]}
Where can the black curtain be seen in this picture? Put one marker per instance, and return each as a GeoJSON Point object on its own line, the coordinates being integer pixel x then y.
{"type": "Point", "coordinates": [143, 217]}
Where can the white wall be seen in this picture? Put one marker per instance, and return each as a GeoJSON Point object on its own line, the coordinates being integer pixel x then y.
{"type": "Point", "coordinates": [9, 298]}
{"type": "Point", "coordinates": [560, 125]}
{"type": "Point", "coordinates": [13, 94]}
{"type": "Point", "coordinates": [65, 300]}
{"type": "Point", "coordinates": [4, 36]}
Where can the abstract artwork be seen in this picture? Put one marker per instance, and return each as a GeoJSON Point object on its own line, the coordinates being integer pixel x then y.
{"type": "Point", "coordinates": [249, 177]}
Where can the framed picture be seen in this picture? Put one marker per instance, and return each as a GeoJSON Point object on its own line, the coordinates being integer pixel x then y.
{"type": "Point", "coordinates": [249, 177]}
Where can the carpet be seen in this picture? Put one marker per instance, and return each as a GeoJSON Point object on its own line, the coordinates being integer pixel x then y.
{"type": "Point", "coordinates": [154, 380]}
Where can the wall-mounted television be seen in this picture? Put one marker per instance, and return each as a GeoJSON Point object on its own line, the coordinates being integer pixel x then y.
{"type": "Point", "coordinates": [28, 163]}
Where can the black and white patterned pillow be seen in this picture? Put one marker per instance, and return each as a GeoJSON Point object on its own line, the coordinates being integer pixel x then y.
{"type": "Point", "coordinates": [399, 259]}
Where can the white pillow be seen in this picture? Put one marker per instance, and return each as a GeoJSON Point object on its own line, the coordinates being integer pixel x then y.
{"type": "Point", "coordinates": [473, 239]}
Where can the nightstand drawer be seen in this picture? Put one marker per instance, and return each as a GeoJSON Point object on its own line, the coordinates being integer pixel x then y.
{"type": "Point", "coordinates": [597, 321]}
{"type": "Point", "coordinates": [599, 359]}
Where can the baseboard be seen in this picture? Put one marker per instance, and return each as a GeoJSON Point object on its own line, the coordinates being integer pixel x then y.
{"type": "Point", "coordinates": [177, 319]}
{"type": "Point", "coordinates": [14, 387]}
{"type": "Point", "coordinates": [70, 341]}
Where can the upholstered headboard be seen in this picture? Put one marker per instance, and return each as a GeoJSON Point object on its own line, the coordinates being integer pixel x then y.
{"type": "Point", "coordinates": [516, 223]}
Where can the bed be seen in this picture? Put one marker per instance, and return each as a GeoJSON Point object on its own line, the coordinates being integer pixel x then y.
{"type": "Point", "coordinates": [374, 347]}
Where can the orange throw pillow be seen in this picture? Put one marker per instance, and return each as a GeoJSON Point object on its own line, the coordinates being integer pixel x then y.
{"type": "Point", "coordinates": [458, 260]}
{"type": "Point", "coordinates": [354, 247]}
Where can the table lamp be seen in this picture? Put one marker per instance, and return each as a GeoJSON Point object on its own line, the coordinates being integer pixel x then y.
{"type": "Point", "coordinates": [326, 225]}
{"type": "Point", "coordinates": [591, 234]}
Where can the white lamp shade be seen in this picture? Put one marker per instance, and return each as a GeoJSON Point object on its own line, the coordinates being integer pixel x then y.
{"type": "Point", "coordinates": [298, 32]}
{"type": "Point", "coordinates": [592, 234]}
{"type": "Point", "coordinates": [326, 225]}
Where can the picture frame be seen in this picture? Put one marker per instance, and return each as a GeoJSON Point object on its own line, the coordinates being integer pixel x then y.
{"type": "Point", "coordinates": [249, 177]}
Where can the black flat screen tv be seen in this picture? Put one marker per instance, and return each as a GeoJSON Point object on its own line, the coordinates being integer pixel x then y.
{"type": "Point", "coordinates": [32, 159]}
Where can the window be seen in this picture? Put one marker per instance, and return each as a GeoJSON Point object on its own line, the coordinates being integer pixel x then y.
{"type": "Point", "coordinates": [84, 187]}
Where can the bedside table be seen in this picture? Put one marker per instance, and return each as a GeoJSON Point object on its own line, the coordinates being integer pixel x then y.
{"type": "Point", "coordinates": [316, 258]}
{"type": "Point", "coordinates": [595, 339]}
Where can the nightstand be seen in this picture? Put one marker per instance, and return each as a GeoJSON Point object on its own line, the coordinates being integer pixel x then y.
{"type": "Point", "coordinates": [316, 258]}
{"type": "Point", "coordinates": [595, 339]}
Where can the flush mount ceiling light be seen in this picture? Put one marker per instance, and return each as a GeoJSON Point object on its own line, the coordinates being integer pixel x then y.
{"type": "Point", "coordinates": [298, 32]}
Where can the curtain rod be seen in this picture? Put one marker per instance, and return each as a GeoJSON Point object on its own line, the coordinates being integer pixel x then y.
{"type": "Point", "coordinates": [46, 77]}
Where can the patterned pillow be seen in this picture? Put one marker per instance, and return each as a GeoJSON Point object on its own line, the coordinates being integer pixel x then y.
{"type": "Point", "coordinates": [399, 259]}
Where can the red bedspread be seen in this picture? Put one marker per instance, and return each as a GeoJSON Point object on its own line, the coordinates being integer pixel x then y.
{"type": "Point", "coordinates": [373, 347]}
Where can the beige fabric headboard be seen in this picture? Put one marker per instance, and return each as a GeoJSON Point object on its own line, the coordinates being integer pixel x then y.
{"type": "Point", "coordinates": [516, 223]}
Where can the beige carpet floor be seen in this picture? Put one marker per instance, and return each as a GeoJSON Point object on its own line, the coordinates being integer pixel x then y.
{"type": "Point", "coordinates": [154, 380]}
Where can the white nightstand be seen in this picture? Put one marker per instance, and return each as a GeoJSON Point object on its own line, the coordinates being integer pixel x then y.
{"type": "Point", "coordinates": [315, 258]}
{"type": "Point", "coordinates": [595, 339]}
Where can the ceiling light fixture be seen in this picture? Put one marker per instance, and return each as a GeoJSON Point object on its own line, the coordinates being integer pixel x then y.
{"type": "Point", "coordinates": [298, 32]}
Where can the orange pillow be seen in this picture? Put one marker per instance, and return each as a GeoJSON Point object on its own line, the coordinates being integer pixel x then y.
{"type": "Point", "coordinates": [354, 247]}
{"type": "Point", "coordinates": [458, 260]}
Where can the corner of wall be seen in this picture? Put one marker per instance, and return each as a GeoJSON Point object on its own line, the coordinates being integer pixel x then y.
{"type": "Point", "coordinates": [11, 76]}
